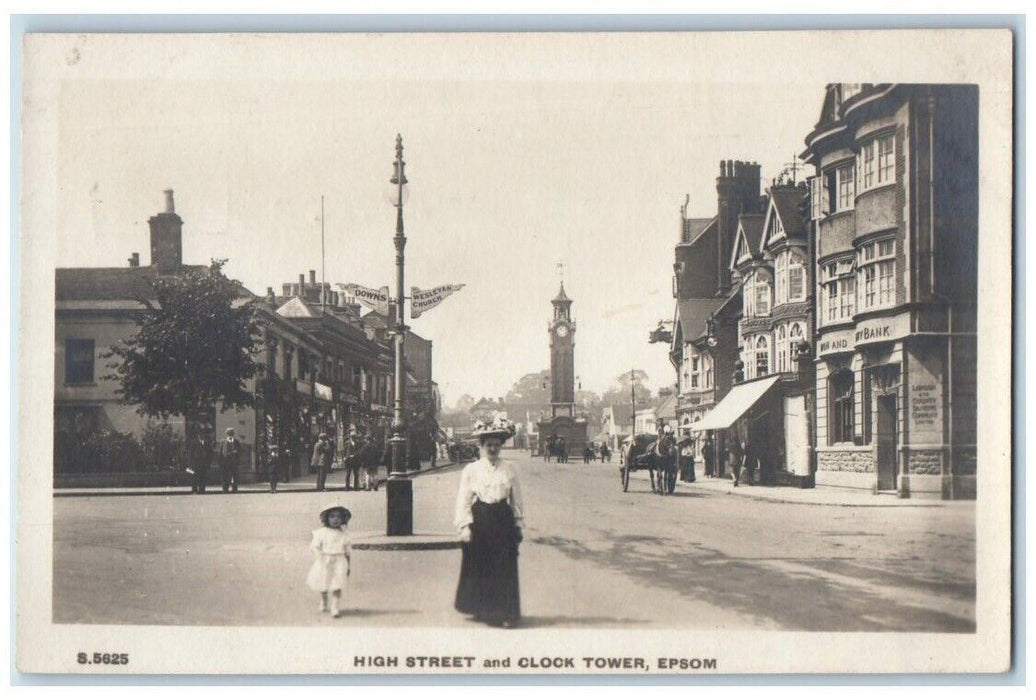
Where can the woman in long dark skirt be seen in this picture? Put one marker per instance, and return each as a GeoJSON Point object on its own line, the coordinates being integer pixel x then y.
{"type": "Point", "coordinates": [489, 517]}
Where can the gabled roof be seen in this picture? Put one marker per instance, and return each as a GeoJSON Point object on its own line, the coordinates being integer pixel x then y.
{"type": "Point", "coordinates": [297, 308]}
{"type": "Point", "coordinates": [691, 315]}
{"type": "Point", "coordinates": [622, 413]}
{"type": "Point", "coordinates": [694, 227]}
{"type": "Point", "coordinates": [108, 283]}
{"type": "Point", "coordinates": [698, 228]}
{"type": "Point", "coordinates": [667, 409]}
{"type": "Point", "coordinates": [785, 202]}
{"type": "Point", "coordinates": [746, 242]}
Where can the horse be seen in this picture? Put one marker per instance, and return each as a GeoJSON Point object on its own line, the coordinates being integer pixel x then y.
{"type": "Point", "coordinates": [657, 454]}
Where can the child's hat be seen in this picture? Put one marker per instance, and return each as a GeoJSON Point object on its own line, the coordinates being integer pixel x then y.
{"type": "Point", "coordinates": [346, 515]}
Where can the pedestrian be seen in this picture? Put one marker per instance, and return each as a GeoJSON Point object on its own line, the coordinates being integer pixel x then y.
{"type": "Point", "coordinates": [736, 457]}
{"type": "Point", "coordinates": [370, 458]}
{"type": "Point", "coordinates": [200, 459]}
{"type": "Point", "coordinates": [708, 453]}
{"type": "Point", "coordinates": [606, 454]}
{"type": "Point", "coordinates": [274, 467]}
{"type": "Point", "coordinates": [687, 461]}
{"type": "Point", "coordinates": [353, 459]}
{"type": "Point", "coordinates": [321, 460]}
{"type": "Point", "coordinates": [229, 458]}
{"type": "Point", "coordinates": [749, 461]}
{"type": "Point", "coordinates": [332, 550]}
{"type": "Point", "coordinates": [489, 516]}
{"type": "Point", "coordinates": [562, 451]}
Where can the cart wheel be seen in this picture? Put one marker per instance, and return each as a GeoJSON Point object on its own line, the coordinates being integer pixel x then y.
{"type": "Point", "coordinates": [625, 478]}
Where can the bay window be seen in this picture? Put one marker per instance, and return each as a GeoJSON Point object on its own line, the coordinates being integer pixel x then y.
{"type": "Point", "coordinates": [876, 264]}
{"type": "Point", "coordinates": [878, 162]}
{"type": "Point", "coordinates": [816, 191]}
{"type": "Point", "coordinates": [756, 294]}
{"type": "Point", "coordinates": [762, 356]}
{"type": "Point", "coordinates": [789, 278]}
{"type": "Point", "coordinates": [846, 187]}
{"type": "Point", "coordinates": [838, 292]}
{"type": "Point", "coordinates": [781, 348]}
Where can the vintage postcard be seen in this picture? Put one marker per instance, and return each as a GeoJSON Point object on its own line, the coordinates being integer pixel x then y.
{"type": "Point", "coordinates": [619, 353]}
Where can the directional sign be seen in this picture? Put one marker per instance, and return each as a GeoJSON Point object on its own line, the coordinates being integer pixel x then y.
{"type": "Point", "coordinates": [424, 299]}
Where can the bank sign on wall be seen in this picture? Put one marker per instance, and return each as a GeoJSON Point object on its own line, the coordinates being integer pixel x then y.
{"type": "Point", "coordinates": [875, 330]}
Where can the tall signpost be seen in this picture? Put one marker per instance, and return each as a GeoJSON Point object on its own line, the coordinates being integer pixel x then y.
{"type": "Point", "coordinates": [399, 489]}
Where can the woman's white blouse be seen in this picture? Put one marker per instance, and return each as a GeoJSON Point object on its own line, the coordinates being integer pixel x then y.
{"type": "Point", "coordinates": [490, 484]}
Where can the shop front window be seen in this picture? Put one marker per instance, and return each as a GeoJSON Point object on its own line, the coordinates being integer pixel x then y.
{"type": "Point", "coordinates": [841, 414]}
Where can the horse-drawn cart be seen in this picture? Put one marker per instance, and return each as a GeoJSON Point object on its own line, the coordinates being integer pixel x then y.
{"type": "Point", "coordinates": [655, 453]}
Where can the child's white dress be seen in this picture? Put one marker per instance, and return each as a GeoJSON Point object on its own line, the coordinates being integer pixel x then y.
{"type": "Point", "coordinates": [330, 567]}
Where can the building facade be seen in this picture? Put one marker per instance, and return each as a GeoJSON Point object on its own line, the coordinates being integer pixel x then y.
{"type": "Point", "coordinates": [894, 208]}
{"type": "Point", "coordinates": [704, 349]}
{"type": "Point", "coordinates": [318, 371]}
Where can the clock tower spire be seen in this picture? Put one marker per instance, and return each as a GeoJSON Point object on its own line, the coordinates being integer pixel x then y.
{"type": "Point", "coordinates": [562, 359]}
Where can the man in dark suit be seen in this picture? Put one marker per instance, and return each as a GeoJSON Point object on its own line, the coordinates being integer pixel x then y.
{"type": "Point", "coordinates": [352, 459]}
{"type": "Point", "coordinates": [321, 460]}
{"type": "Point", "coordinates": [229, 459]}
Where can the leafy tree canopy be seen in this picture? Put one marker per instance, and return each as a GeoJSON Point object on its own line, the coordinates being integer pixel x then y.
{"type": "Point", "coordinates": [195, 347]}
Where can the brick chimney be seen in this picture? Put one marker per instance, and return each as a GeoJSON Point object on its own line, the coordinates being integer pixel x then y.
{"type": "Point", "coordinates": [270, 298]}
{"type": "Point", "coordinates": [134, 260]}
{"type": "Point", "coordinates": [166, 238]}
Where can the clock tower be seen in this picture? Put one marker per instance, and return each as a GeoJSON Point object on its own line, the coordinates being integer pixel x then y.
{"type": "Point", "coordinates": [562, 360]}
{"type": "Point", "coordinates": [563, 427]}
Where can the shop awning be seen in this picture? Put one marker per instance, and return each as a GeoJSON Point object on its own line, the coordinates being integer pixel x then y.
{"type": "Point", "coordinates": [735, 404]}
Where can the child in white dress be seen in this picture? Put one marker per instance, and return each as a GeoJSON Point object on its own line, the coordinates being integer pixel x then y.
{"type": "Point", "coordinates": [332, 549]}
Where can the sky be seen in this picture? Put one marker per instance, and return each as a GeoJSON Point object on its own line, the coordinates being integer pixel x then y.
{"type": "Point", "coordinates": [513, 168]}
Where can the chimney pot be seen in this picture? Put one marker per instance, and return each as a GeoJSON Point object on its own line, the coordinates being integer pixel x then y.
{"type": "Point", "coordinates": [169, 207]}
{"type": "Point", "coordinates": [134, 260]}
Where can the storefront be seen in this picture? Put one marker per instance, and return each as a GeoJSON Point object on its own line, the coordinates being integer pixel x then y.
{"type": "Point", "coordinates": [883, 424]}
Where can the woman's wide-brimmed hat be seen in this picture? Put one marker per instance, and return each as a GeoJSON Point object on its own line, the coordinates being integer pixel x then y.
{"type": "Point", "coordinates": [498, 427]}
{"type": "Point", "coordinates": [346, 515]}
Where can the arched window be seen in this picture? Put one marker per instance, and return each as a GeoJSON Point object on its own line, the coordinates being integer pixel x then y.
{"type": "Point", "coordinates": [782, 348]}
{"type": "Point", "coordinates": [762, 356]}
{"type": "Point", "coordinates": [840, 392]}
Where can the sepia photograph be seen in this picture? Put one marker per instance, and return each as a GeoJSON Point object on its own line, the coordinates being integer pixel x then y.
{"type": "Point", "coordinates": [505, 353]}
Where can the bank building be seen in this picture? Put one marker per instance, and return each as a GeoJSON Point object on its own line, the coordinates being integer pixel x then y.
{"type": "Point", "coordinates": [894, 211]}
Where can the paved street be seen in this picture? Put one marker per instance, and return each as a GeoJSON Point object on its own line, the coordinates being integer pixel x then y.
{"type": "Point", "coordinates": [593, 556]}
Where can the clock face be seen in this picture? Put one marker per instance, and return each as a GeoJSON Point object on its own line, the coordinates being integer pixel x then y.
{"type": "Point", "coordinates": [562, 331]}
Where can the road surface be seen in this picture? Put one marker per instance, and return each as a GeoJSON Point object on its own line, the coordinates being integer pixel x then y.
{"type": "Point", "coordinates": [593, 556]}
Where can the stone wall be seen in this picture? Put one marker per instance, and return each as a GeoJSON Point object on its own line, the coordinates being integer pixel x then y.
{"type": "Point", "coordinates": [842, 460]}
{"type": "Point", "coordinates": [924, 462]}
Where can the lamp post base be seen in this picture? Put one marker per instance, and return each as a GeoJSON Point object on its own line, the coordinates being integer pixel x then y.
{"type": "Point", "coordinates": [400, 494]}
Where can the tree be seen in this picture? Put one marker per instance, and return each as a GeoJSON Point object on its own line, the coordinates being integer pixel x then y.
{"type": "Point", "coordinates": [532, 389]}
{"type": "Point", "coordinates": [195, 347]}
{"type": "Point", "coordinates": [620, 391]}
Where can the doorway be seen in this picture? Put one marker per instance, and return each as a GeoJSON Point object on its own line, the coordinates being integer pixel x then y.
{"type": "Point", "coordinates": [885, 442]}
